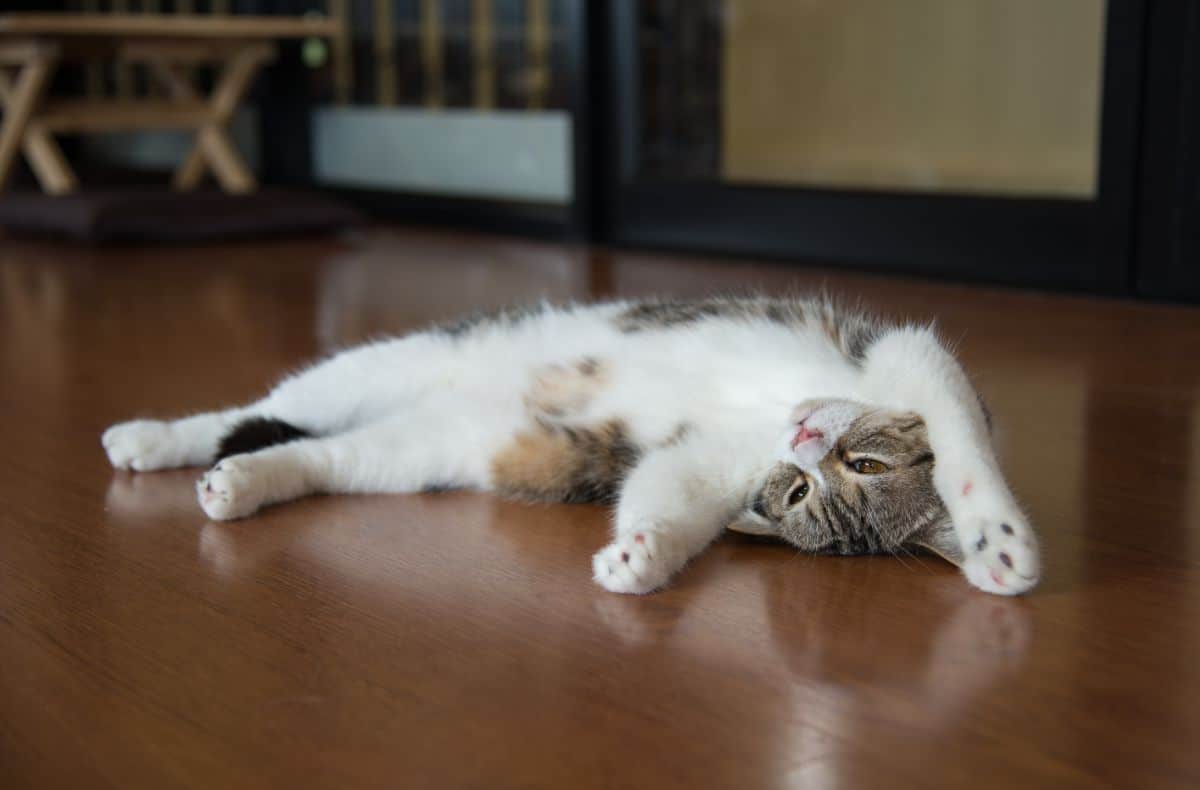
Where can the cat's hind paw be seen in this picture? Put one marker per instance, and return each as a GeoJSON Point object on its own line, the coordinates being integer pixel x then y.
{"type": "Point", "coordinates": [637, 562]}
{"type": "Point", "coordinates": [230, 490]}
{"type": "Point", "coordinates": [1002, 558]}
{"type": "Point", "coordinates": [141, 445]}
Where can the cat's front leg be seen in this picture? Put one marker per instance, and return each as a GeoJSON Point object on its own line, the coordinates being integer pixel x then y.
{"type": "Point", "coordinates": [909, 368]}
{"type": "Point", "coordinates": [672, 505]}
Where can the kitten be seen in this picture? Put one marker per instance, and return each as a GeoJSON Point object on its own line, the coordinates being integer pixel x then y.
{"type": "Point", "coordinates": [793, 418]}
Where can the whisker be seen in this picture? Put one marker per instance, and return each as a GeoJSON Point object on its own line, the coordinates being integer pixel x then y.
{"type": "Point", "coordinates": [915, 557]}
{"type": "Point", "coordinates": [902, 562]}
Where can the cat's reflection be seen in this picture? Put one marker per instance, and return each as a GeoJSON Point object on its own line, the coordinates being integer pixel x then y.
{"type": "Point", "coordinates": [829, 621]}
{"type": "Point", "coordinates": [837, 623]}
{"type": "Point", "coordinates": [942, 641]}
{"type": "Point", "coordinates": [169, 497]}
{"type": "Point", "coordinates": [364, 539]}
{"type": "Point", "coordinates": [230, 550]}
{"type": "Point", "coordinates": [134, 497]}
{"type": "Point", "coordinates": [637, 621]}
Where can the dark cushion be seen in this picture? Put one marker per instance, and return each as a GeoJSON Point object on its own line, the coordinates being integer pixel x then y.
{"type": "Point", "coordinates": [165, 216]}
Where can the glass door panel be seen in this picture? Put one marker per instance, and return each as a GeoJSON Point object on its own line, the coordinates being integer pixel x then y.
{"type": "Point", "coordinates": [992, 139]}
{"type": "Point", "coordinates": [975, 96]}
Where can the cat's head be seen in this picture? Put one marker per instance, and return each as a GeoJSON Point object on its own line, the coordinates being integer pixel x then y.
{"type": "Point", "coordinates": [852, 479]}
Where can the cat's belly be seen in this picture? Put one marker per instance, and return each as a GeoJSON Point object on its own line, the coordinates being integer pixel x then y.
{"type": "Point", "coordinates": [659, 387]}
{"type": "Point", "coordinates": [733, 376]}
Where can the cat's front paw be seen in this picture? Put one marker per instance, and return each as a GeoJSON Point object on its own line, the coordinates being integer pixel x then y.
{"type": "Point", "coordinates": [141, 445]}
{"type": "Point", "coordinates": [636, 562]}
{"type": "Point", "coordinates": [231, 490]}
{"type": "Point", "coordinates": [1001, 555]}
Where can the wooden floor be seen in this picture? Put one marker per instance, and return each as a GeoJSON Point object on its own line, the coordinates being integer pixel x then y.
{"type": "Point", "coordinates": [456, 641]}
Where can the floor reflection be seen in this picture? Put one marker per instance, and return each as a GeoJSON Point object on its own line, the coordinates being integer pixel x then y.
{"type": "Point", "coordinates": [398, 283]}
{"type": "Point", "coordinates": [859, 674]}
{"type": "Point", "coordinates": [146, 497]}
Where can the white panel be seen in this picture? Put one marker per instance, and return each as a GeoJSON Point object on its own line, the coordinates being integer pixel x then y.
{"type": "Point", "coordinates": [517, 155]}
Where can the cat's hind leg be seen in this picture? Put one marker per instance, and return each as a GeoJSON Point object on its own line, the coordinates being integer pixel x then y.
{"type": "Point", "coordinates": [402, 454]}
{"type": "Point", "coordinates": [350, 389]}
{"type": "Point", "coordinates": [322, 399]}
{"type": "Point", "coordinates": [147, 445]}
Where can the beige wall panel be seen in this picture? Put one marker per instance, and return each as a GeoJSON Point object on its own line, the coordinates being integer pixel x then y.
{"type": "Point", "coordinates": [984, 96]}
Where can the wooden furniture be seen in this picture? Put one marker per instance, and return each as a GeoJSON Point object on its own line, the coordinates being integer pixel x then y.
{"type": "Point", "coordinates": [32, 46]}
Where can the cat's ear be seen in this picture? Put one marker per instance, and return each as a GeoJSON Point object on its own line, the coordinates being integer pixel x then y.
{"type": "Point", "coordinates": [940, 538]}
{"type": "Point", "coordinates": [751, 522]}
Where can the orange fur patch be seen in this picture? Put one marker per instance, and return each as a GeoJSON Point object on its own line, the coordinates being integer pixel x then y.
{"type": "Point", "coordinates": [558, 390]}
{"type": "Point", "coordinates": [559, 464]}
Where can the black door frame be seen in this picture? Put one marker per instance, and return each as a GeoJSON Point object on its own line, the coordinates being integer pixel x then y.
{"type": "Point", "coordinates": [1168, 236]}
{"type": "Point", "coordinates": [1062, 243]}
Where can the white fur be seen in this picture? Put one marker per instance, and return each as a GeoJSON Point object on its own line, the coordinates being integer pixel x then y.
{"type": "Point", "coordinates": [429, 409]}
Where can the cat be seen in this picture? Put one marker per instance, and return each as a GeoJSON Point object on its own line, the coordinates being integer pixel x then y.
{"type": "Point", "coordinates": [794, 418]}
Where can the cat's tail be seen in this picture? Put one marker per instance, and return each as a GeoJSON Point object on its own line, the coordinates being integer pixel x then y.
{"type": "Point", "coordinates": [256, 433]}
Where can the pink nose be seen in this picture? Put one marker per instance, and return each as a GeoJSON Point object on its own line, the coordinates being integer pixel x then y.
{"type": "Point", "coordinates": [805, 434]}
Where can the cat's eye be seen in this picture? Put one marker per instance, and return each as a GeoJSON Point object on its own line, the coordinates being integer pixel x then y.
{"type": "Point", "coordinates": [797, 493]}
{"type": "Point", "coordinates": [868, 466]}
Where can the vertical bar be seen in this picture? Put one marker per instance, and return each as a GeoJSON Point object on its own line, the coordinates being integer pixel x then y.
{"type": "Point", "coordinates": [584, 26]}
{"type": "Point", "coordinates": [537, 42]}
{"type": "Point", "coordinates": [385, 54]}
{"type": "Point", "coordinates": [624, 53]}
{"type": "Point", "coordinates": [343, 65]}
{"type": "Point", "coordinates": [186, 7]}
{"type": "Point", "coordinates": [147, 79]}
{"type": "Point", "coordinates": [483, 52]}
{"type": "Point", "coordinates": [432, 60]}
{"type": "Point", "coordinates": [93, 70]}
{"type": "Point", "coordinates": [122, 73]}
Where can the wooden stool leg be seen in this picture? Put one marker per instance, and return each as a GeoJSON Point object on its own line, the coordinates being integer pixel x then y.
{"type": "Point", "coordinates": [44, 155]}
{"type": "Point", "coordinates": [174, 78]}
{"type": "Point", "coordinates": [226, 163]}
{"type": "Point", "coordinates": [48, 163]}
{"type": "Point", "coordinates": [20, 102]}
{"type": "Point", "coordinates": [212, 145]}
{"type": "Point", "coordinates": [190, 173]}
{"type": "Point", "coordinates": [187, 176]}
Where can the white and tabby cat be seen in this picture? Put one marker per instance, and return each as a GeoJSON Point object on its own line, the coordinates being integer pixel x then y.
{"type": "Point", "coordinates": [834, 432]}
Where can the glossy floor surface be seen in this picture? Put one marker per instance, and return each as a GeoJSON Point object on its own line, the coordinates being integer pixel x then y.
{"type": "Point", "coordinates": [456, 641]}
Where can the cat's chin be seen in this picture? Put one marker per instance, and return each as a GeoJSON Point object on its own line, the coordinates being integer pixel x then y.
{"type": "Point", "coordinates": [751, 525]}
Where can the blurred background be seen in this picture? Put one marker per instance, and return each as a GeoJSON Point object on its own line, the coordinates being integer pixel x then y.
{"type": "Point", "coordinates": [1015, 141]}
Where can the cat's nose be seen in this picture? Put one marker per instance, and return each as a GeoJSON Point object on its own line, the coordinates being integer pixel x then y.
{"type": "Point", "coordinates": [805, 434]}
